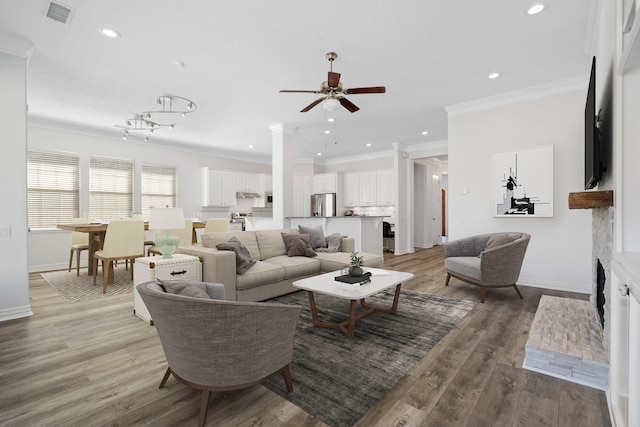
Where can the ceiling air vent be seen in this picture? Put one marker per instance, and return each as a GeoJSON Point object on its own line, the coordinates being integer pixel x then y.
{"type": "Point", "coordinates": [59, 12]}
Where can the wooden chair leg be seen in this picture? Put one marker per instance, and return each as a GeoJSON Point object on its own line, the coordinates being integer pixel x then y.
{"type": "Point", "coordinates": [165, 378]}
{"type": "Point", "coordinates": [78, 263]}
{"type": "Point", "coordinates": [95, 270]}
{"type": "Point", "coordinates": [204, 406]}
{"type": "Point", "coordinates": [286, 374]}
{"type": "Point", "coordinates": [132, 262]}
{"type": "Point", "coordinates": [447, 282]}
{"type": "Point", "coordinates": [483, 292]}
{"type": "Point", "coordinates": [517, 290]}
{"type": "Point", "coordinates": [70, 258]}
{"type": "Point", "coordinates": [105, 275]}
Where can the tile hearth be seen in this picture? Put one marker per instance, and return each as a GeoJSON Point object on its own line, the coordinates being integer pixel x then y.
{"type": "Point", "coordinates": [566, 341]}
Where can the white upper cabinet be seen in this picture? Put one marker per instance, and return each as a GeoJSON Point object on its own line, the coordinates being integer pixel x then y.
{"type": "Point", "coordinates": [219, 188]}
{"type": "Point", "coordinates": [368, 189]}
{"type": "Point", "coordinates": [324, 183]}
{"type": "Point", "coordinates": [385, 194]}
{"type": "Point", "coordinates": [248, 182]}
{"type": "Point", "coordinates": [351, 189]}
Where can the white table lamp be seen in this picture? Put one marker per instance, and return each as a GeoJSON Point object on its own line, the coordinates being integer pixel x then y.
{"type": "Point", "coordinates": [166, 219]}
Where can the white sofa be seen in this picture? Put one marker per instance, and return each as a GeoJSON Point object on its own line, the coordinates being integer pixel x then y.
{"type": "Point", "coordinates": [274, 271]}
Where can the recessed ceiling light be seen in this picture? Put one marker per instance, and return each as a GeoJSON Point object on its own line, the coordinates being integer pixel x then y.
{"type": "Point", "coordinates": [494, 75]}
{"type": "Point", "coordinates": [110, 33]}
{"type": "Point", "coordinates": [319, 154]}
{"type": "Point", "coordinates": [331, 120]}
{"type": "Point", "coordinates": [327, 131]}
{"type": "Point", "coordinates": [425, 132]}
{"type": "Point", "coordinates": [251, 146]}
{"type": "Point", "coordinates": [535, 9]}
{"type": "Point", "coordinates": [368, 144]}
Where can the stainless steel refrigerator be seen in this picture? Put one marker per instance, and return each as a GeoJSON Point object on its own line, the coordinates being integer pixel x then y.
{"type": "Point", "coordinates": [323, 204]}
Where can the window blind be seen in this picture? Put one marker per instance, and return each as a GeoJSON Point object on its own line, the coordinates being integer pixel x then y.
{"type": "Point", "coordinates": [110, 188]}
{"type": "Point", "coordinates": [53, 189]}
{"type": "Point", "coordinates": [158, 188]}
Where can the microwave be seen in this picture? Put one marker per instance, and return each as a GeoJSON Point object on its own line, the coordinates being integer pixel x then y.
{"type": "Point", "coordinates": [268, 198]}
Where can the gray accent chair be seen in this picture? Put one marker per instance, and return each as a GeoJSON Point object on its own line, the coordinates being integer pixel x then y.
{"type": "Point", "coordinates": [217, 345]}
{"type": "Point", "coordinates": [488, 261]}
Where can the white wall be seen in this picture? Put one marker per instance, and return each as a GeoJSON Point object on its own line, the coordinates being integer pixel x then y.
{"type": "Point", "coordinates": [14, 278]}
{"type": "Point", "coordinates": [559, 254]}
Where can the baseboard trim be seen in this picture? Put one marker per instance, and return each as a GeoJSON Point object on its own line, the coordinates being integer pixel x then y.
{"type": "Point", "coordinates": [15, 313]}
{"type": "Point", "coordinates": [556, 286]}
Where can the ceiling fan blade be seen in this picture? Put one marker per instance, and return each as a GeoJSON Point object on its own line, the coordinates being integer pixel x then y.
{"type": "Point", "coordinates": [313, 104]}
{"type": "Point", "coordinates": [373, 89]}
{"type": "Point", "coordinates": [333, 79]}
{"type": "Point", "coordinates": [348, 104]}
{"type": "Point", "coordinates": [299, 91]}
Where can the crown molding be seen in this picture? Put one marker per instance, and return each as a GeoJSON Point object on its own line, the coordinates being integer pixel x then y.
{"type": "Point", "coordinates": [521, 95]}
{"type": "Point", "coordinates": [16, 46]}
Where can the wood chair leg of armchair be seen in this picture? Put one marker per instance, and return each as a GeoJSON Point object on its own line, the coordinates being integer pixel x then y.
{"type": "Point", "coordinates": [286, 374]}
{"type": "Point", "coordinates": [165, 378]}
{"type": "Point", "coordinates": [204, 406]}
{"type": "Point", "coordinates": [447, 281]}
{"type": "Point", "coordinates": [483, 293]}
{"type": "Point", "coordinates": [517, 290]}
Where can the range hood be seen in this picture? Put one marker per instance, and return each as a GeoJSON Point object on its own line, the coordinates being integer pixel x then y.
{"type": "Point", "coordinates": [246, 195]}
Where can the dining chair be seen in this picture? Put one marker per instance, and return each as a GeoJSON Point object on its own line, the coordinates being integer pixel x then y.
{"type": "Point", "coordinates": [184, 235]}
{"type": "Point", "coordinates": [124, 239]}
{"type": "Point", "coordinates": [79, 243]}
{"type": "Point", "coordinates": [214, 225]}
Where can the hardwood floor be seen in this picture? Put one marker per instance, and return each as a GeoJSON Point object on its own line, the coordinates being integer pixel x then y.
{"type": "Point", "coordinates": [96, 364]}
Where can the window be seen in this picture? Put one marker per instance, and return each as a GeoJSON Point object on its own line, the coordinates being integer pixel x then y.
{"type": "Point", "coordinates": [52, 189]}
{"type": "Point", "coordinates": [110, 189]}
{"type": "Point", "coordinates": [158, 188]}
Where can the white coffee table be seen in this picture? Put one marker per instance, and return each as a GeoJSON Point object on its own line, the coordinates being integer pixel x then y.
{"type": "Point", "coordinates": [326, 284]}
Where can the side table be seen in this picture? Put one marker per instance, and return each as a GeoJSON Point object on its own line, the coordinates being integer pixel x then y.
{"type": "Point", "coordinates": [179, 267]}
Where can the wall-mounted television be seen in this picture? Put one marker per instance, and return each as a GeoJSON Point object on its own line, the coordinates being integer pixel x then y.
{"type": "Point", "coordinates": [593, 154]}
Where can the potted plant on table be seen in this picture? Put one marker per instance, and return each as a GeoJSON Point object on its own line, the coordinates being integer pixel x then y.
{"type": "Point", "coordinates": [356, 264]}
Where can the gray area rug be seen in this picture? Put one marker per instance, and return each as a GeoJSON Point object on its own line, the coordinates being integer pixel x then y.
{"type": "Point", "coordinates": [337, 379]}
{"type": "Point", "coordinates": [74, 288]}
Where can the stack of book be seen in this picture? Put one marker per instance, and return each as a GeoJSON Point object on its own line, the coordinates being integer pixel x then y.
{"type": "Point", "coordinates": [354, 280]}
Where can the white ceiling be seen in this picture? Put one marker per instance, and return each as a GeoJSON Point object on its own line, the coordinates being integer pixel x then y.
{"type": "Point", "coordinates": [238, 54]}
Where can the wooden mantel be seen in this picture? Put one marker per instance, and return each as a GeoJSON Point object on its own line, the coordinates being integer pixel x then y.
{"type": "Point", "coordinates": [590, 199]}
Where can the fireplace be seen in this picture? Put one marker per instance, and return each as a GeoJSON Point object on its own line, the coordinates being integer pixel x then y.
{"type": "Point", "coordinates": [600, 284]}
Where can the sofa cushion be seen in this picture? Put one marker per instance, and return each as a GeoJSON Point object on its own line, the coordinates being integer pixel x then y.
{"type": "Point", "coordinates": [316, 236]}
{"type": "Point", "coordinates": [248, 238]}
{"type": "Point", "coordinates": [333, 261]}
{"type": "Point", "coordinates": [260, 274]}
{"type": "Point", "coordinates": [468, 266]}
{"type": "Point", "coordinates": [270, 242]}
{"type": "Point", "coordinates": [296, 267]}
{"type": "Point", "coordinates": [243, 257]}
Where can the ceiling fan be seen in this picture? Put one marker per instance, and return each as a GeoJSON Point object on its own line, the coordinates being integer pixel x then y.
{"type": "Point", "coordinates": [333, 91]}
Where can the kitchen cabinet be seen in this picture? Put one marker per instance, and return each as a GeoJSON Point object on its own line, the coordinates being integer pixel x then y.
{"type": "Point", "coordinates": [247, 182]}
{"type": "Point", "coordinates": [351, 182]}
{"type": "Point", "coordinates": [324, 183]}
{"type": "Point", "coordinates": [178, 267]}
{"type": "Point", "coordinates": [218, 188]}
{"type": "Point", "coordinates": [368, 188]}
{"type": "Point", "coordinates": [385, 184]}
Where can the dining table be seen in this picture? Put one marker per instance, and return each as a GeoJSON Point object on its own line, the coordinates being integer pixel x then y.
{"type": "Point", "coordinates": [97, 231]}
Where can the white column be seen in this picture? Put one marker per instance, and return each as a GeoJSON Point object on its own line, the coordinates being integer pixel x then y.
{"type": "Point", "coordinates": [282, 172]}
{"type": "Point", "coordinates": [404, 206]}
{"type": "Point", "coordinates": [14, 271]}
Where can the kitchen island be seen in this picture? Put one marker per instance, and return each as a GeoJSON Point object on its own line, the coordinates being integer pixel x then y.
{"type": "Point", "coordinates": [365, 230]}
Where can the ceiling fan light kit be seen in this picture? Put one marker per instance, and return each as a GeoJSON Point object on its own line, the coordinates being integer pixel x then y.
{"type": "Point", "coordinates": [164, 114]}
{"type": "Point", "coordinates": [332, 91]}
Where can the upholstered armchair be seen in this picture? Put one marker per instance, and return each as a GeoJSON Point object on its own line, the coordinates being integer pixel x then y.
{"type": "Point", "coordinates": [488, 260]}
{"type": "Point", "coordinates": [216, 345]}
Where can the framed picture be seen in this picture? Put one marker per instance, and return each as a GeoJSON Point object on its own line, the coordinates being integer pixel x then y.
{"type": "Point", "coordinates": [523, 182]}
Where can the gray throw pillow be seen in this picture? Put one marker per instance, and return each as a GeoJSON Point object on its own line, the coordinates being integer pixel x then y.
{"type": "Point", "coordinates": [316, 236]}
{"type": "Point", "coordinates": [243, 257]}
{"type": "Point", "coordinates": [333, 243]}
{"type": "Point", "coordinates": [185, 289]}
{"type": "Point", "coordinates": [298, 245]}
